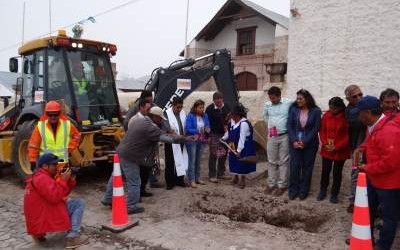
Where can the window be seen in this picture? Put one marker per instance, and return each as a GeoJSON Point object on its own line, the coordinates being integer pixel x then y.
{"type": "Point", "coordinates": [246, 41]}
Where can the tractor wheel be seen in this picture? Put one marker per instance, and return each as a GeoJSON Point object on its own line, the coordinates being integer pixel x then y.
{"type": "Point", "coordinates": [22, 166]}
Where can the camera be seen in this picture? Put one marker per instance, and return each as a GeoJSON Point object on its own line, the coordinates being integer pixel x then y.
{"type": "Point", "coordinates": [74, 170]}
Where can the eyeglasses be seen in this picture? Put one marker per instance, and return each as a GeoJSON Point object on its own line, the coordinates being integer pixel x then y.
{"type": "Point", "coordinates": [358, 95]}
{"type": "Point", "coordinates": [53, 114]}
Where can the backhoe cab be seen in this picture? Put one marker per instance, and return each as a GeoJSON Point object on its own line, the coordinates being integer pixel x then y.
{"type": "Point", "coordinates": [78, 74]}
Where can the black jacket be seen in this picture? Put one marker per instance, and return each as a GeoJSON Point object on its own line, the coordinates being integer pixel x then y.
{"type": "Point", "coordinates": [217, 118]}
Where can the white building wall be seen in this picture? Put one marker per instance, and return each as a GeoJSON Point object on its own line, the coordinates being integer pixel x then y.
{"type": "Point", "coordinates": [227, 38]}
{"type": "Point", "coordinates": [334, 43]}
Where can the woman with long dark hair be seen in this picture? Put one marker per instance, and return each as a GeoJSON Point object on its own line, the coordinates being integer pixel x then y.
{"type": "Point", "coordinates": [198, 125]}
{"type": "Point", "coordinates": [335, 149]}
{"type": "Point", "coordinates": [303, 126]}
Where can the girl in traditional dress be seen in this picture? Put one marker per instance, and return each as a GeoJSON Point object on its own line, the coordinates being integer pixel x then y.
{"type": "Point", "coordinates": [240, 139]}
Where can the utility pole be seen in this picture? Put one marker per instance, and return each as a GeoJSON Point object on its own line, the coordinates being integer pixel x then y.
{"type": "Point", "coordinates": [49, 17]}
{"type": "Point", "coordinates": [23, 24]}
{"type": "Point", "coordinates": [186, 30]}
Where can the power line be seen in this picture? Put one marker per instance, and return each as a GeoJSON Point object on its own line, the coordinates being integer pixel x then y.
{"type": "Point", "coordinates": [90, 18]}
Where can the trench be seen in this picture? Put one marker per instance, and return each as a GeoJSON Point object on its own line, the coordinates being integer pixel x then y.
{"type": "Point", "coordinates": [260, 208]}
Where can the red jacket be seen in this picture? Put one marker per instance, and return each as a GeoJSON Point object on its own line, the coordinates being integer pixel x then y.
{"type": "Point", "coordinates": [335, 127]}
{"type": "Point", "coordinates": [382, 150]}
{"type": "Point", "coordinates": [44, 207]}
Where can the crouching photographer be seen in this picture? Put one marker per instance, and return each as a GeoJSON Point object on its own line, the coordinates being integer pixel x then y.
{"type": "Point", "coordinates": [46, 206]}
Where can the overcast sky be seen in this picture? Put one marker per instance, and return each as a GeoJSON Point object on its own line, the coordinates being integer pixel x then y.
{"type": "Point", "coordinates": [148, 33]}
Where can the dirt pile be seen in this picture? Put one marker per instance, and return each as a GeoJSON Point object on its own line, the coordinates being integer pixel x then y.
{"type": "Point", "coordinates": [258, 207]}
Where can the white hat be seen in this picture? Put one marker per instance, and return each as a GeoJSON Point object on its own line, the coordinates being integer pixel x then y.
{"type": "Point", "coordinates": [157, 111]}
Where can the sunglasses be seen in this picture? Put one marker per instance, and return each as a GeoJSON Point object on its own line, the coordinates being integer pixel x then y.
{"type": "Point", "coordinates": [53, 114]}
{"type": "Point", "coordinates": [355, 96]}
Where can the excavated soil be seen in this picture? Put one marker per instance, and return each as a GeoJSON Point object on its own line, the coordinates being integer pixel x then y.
{"type": "Point", "coordinates": [259, 208]}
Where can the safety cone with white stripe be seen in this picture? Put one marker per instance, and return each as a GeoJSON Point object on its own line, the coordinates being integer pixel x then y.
{"type": "Point", "coordinates": [361, 227]}
{"type": "Point", "coordinates": [120, 220]}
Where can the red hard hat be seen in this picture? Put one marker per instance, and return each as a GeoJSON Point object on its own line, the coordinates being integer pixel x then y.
{"type": "Point", "coordinates": [52, 106]}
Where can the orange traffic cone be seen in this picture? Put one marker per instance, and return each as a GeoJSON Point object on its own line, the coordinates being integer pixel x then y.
{"type": "Point", "coordinates": [120, 220]}
{"type": "Point", "coordinates": [361, 228]}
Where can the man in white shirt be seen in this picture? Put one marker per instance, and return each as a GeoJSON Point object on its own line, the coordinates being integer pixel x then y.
{"type": "Point", "coordinates": [275, 114]}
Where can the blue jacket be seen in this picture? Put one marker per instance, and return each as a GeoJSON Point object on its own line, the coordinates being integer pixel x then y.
{"type": "Point", "coordinates": [310, 131]}
{"type": "Point", "coordinates": [191, 124]}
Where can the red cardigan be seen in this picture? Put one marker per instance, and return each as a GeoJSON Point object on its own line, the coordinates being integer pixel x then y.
{"type": "Point", "coordinates": [382, 151]}
{"type": "Point", "coordinates": [44, 205]}
{"type": "Point", "coordinates": [335, 127]}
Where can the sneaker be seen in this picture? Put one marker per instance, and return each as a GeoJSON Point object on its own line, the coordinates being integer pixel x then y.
{"type": "Point", "coordinates": [321, 195]}
{"type": "Point", "coordinates": [169, 187]}
{"type": "Point", "coordinates": [350, 208]}
{"type": "Point", "coordinates": [279, 191]}
{"type": "Point", "coordinates": [156, 185]}
{"type": "Point", "coordinates": [200, 182]}
{"type": "Point", "coordinates": [269, 190]}
{"type": "Point", "coordinates": [333, 199]}
{"type": "Point", "coordinates": [145, 194]}
{"type": "Point", "coordinates": [135, 210]}
{"type": "Point", "coordinates": [193, 184]}
{"type": "Point", "coordinates": [213, 180]}
{"type": "Point", "coordinates": [74, 242]}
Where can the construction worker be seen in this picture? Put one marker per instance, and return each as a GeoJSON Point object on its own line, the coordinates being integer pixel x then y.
{"type": "Point", "coordinates": [81, 84]}
{"type": "Point", "coordinates": [54, 133]}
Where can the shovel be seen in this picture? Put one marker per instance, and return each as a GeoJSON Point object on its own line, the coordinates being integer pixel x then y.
{"type": "Point", "coordinates": [251, 159]}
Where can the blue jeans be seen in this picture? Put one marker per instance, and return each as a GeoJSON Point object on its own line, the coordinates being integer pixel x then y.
{"type": "Point", "coordinates": [75, 210]}
{"type": "Point", "coordinates": [131, 173]}
{"type": "Point", "coordinates": [194, 154]}
{"type": "Point", "coordinates": [389, 200]}
{"type": "Point", "coordinates": [301, 168]}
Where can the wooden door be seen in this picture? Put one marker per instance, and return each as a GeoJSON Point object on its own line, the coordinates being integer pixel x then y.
{"type": "Point", "coordinates": [246, 81]}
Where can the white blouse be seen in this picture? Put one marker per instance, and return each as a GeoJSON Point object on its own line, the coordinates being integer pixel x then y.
{"type": "Point", "coordinates": [244, 132]}
{"type": "Point", "coordinates": [200, 122]}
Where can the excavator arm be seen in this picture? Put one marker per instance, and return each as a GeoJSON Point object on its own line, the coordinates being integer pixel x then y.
{"type": "Point", "coordinates": [185, 76]}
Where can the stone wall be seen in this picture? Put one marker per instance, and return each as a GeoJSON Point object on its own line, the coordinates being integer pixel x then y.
{"type": "Point", "coordinates": [334, 43]}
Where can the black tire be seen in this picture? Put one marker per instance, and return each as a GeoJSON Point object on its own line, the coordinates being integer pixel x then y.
{"type": "Point", "coordinates": [22, 165]}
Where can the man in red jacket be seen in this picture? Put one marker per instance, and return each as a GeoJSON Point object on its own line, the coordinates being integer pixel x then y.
{"type": "Point", "coordinates": [45, 207]}
{"type": "Point", "coordinates": [382, 151]}
{"type": "Point", "coordinates": [390, 101]}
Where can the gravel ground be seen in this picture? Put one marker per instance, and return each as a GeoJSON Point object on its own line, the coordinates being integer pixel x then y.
{"type": "Point", "coordinates": [214, 216]}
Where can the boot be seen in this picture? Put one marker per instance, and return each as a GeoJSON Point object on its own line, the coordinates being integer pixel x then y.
{"type": "Point", "coordinates": [242, 182]}
{"type": "Point", "coordinates": [235, 180]}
